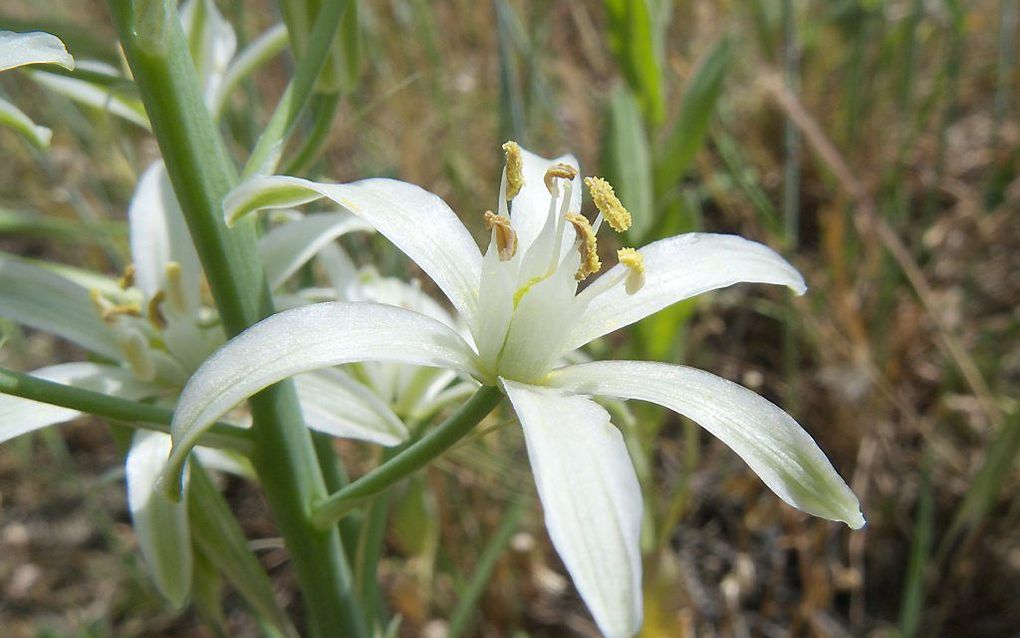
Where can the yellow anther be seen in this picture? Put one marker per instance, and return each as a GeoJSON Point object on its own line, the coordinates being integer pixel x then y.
{"type": "Point", "coordinates": [109, 311]}
{"type": "Point", "coordinates": [506, 237]}
{"type": "Point", "coordinates": [635, 264]}
{"type": "Point", "coordinates": [561, 171]}
{"type": "Point", "coordinates": [588, 247]}
{"type": "Point", "coordinates": [175, 288]}
{"type": "Point", "coordinates": [155, 313]}
{"type": "Point", "coordinates": [514, 169]}
{"type": "Point", "coordinates": [608, 203]}
{"type": "Point", "coordinates": [127, 280]}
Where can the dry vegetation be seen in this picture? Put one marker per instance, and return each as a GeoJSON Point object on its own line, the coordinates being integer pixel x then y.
{"type": "Point", "coordinates": [903, 360]}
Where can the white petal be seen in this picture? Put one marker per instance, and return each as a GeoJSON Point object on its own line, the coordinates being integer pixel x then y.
{"type": "Point", "coordinates": [94, 95]}
{"type": "Point", "coordinates": [13, 118]}
{"type": "Point", "coordinates": [43, 300]}
{"type": "Point", "coordinates": [212, 42]}
{"type": "Point", "coordinates": [35, 47]}
{"type": "Point", "coordinates": [336, 404]}
{"type": "Point", "coordinates": [495, 310]}
{"type": "Point", "coordinates": [288, 247]}
{"type": "Point", "coordinates": [530, 209]}
{"type": "Point", "coordinates": [591, 498]}
{"type": "Point", "coordinates": [301, 340]}
{"type": "Point", "coordinates": [161, 525]}
{"type": "Point", "coordinates": [768, 439]}
{"type": "Point", "coordinates": [338, 266]}
{"type": "Point", "coordinates": [540, 323]}
{"type": "Point", "coordinates": [159, 235]}
{"type": "Point", "coordinates": [19, 416]}
{"type": "Point", "coordinates": [678, 268]}
{"type": "Point", "coordinates": [417, 222]}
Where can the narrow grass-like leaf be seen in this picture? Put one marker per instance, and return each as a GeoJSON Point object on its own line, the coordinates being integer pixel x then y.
{"type": "Point", "coordinates": [699, 101]}
{"type": "Point", "coordinates": [629, 161]}
{"type": "Point", "coordinates": [634, 38]}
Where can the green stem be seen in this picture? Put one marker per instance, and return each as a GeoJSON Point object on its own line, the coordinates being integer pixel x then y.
{"type": "Point", "coordinates": [265, 157]}
{"type": "Point", "coordinates": [467, 605]}
{"type": "Point", "coordinates": [201, 173]}
{"type": "Point", "coordinates": [412, 458]}
{"type": "Point", "coordinates": [131, 413]}
{"type": "Point", "coordinates": [324, 107]}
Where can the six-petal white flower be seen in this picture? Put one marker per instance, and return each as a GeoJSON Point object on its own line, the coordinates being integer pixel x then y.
{"type": "Point", "coordinates": [521, 303]}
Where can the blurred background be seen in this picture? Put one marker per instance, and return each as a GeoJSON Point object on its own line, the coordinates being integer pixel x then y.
{"type": "Point", "coordinates": [874, 143]}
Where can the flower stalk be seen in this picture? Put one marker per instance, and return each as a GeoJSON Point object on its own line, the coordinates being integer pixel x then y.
{"type": "Point", "coordinates": [137, 415]}
{"type": "Point", "coordinates": [412, 458]}
{"type": "Point", "coordinates": [201, 173]}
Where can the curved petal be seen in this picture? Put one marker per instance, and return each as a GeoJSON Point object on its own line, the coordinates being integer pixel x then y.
{"type": "Point", "coordinates": [417, 222]}
{"type": "Point", "coordinates": [301, 340]}
{"type": "Point", "coordinates": [336, 404]}
{"type": "Point", "coordinates": [35, 47]}
{"type": "Point", "coordinates": [44, 300]}
{"type": "Point", "coordinates": [13, 118]}
{"type": "Point", "coordinates": [678, 268]}
{"type": "Point", "coordinates": [288, 247]}
{"type": "Point", "coordinates": [591, 498]}
{"type": "Point", "coordinates": [160, 524]}
{"type": "Point", "coordinates": [19, 416]}
{"type": "Point", "coordinates": [530, 208]}
{"type": "Point", "coordinates": [785, 456]}
{"type": "Point", "coordinates": [212, 42]}
{"type": "Point", "coordinates": [159, 235]}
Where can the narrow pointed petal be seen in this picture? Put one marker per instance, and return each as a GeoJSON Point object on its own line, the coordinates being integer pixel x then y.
{"type": "Point", "coordinates": [93, 94]}
{"type": "Point", "coordinates": [288, 247]}
{"type": "Point", "coordinates": [35, 297]}
{"type": "Point", "coordinates": [531, 206]}
{"type": "Point", "coordinates": [161, 525]}
{"type": "Point", "coordinates": [19, 416]}
{"type": "Point", "coordinates": [13, 118]}
{"type": "Point", "coordinates": [301, 340]}
{"type": "Point", "coordinates": [35, 47]}
{"type": "Point", "coordinates": [678, 268]}
{"type": "Point", "coordinates": [212, 42]}
{"type": "Point", "coordinates": [336, 404]}
{"type": "Point", "coordinates": [159, 235]}
{"type": "Point", "coordinates": [785, 456]}
{"type": "Point", "coordinates": [417, 222]}
{"type": "Point", "coordinates": [591, 498]}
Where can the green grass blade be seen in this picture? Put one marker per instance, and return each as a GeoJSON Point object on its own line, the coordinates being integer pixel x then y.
{"type": "Point", "coordinates": [629, 161]}
{"type": "Point", "coordinates": [634, 40]}
{"type": "Point", "coordinates": [696, 109]}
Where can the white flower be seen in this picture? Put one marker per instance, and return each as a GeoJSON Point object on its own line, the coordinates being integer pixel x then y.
{"type": "Point", "coordinates": [521, 303]}
{"type": "Point", "coordinates": [153, 329]}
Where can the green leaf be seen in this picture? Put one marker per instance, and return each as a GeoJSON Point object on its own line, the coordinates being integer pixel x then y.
{"type": "Point", "coordinates": [221, 540]}
{"type": "Point", "coordinates": [629, 161]}
{"type": "Point", "coordinates": [636, 43]}
{"type": "Point", "coordinates": [696, 108]}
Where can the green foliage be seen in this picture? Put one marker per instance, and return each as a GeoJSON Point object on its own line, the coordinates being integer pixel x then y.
{"type": "Point", "coordinates": [633, 34]}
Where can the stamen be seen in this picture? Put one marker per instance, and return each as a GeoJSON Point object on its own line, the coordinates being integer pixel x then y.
{"type": "Point", "coordinates": [109, 311]}
{"type": "Point", "coordinates": [635, 264]}
{"type": "Point", "coordinates": [138, 356]}
{"type": "Point", "coordinates": [175, 288]}
{"type": "Point", "coordinates": [514, 169]}
{"type": "Point", "coordinates": [506, 237]}
{"type": "Point", "coordinates": [155, 313]}
{"type": "Point", "coordinates": [127, 279]}
{"type": "Point", "coordinates": [587, 246]}
{"type": "Point", "coordinates": [608, 204]}
{"type": "Point", "coordinates": [561, 171]}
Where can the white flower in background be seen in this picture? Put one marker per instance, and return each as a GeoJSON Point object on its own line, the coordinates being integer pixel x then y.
{"type": "Point", "coordinates": [22, 49]}
{"type": "Point", "coordinates": [524, 313]}
{"type": "Point", "coordinates": [149, 332]}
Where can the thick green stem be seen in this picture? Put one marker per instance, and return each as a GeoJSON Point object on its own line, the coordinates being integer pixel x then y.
{"type": "Point", "coordinates": [412, 458]}
{"type": "Point", "coordinates": [201, 173]}
{"type": "Point", "coordinates": [131, 413]}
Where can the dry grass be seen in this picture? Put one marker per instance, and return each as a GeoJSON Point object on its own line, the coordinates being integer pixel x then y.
{"type": "Point", "coordinates": [907, 351]}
